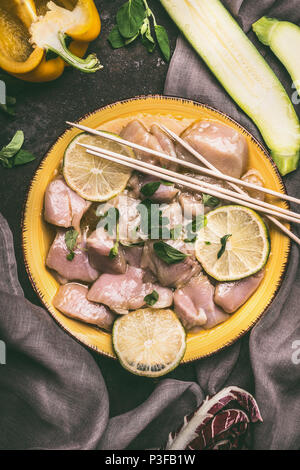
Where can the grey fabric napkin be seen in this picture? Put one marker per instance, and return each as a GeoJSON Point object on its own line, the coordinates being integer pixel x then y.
{"type": "Point", "coordinates": [52, 394]}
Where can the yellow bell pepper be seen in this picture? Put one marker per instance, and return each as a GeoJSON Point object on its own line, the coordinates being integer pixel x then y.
{"type": "Point", "coordinates": [34, 34]}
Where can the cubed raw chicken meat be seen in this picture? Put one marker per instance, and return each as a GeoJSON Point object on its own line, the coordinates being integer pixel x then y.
{"type": "Point", "coordinates": [99, 246]}
{"type": "Point", "coordinates": [133, 255]}
{"type": "Point", "coordinates": [191, 204]}
{"type": "Point", "coordinates": [167, 146]}
{"type": "Point", "coordinates": [174, 275]}
{"type": "Point", "coordinates": [79, 269]}
{"type": "Point", "coordinates": [232, 295]}
{"type": "Point", "coordinates": [63, 207]}
{"type": "Point", "coordinates": [71, 299]}
{"type": "Point", "coordinates": [253, 176]}
{"type": "Point", "coordinates": [221, 145]}
{"type": "Point", "coordinates": [194, 304]}
{"type": "Point", "coordinates": [137, 133]}
{"type": "Point", "coordinates": [124, 292]}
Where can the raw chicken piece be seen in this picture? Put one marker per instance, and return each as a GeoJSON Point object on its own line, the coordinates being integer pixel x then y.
{"type": "Point", "coordinates": [71, 299]}
{"type": "Point", "coordinates": [99, 245]}
{"type": "Point", "coordinates": [232, 295]}
{"type": "Point", "coordinates": [164, 193]}
{"type": "Point", "coordinates": [191, 204]}
{"type": "Point", "coordinates": [167, 147]}
{"type": "Point", "coordinates": [130, 218]}
{"type": "Point", "coordinates": [165, 298]}
{"type": "Point", "coordinates": [221, 145]}
{"type": "Point", "coordinates": [253, 176]}
{"type": "Point", "coordinates": [79, 269]}
{"type": "Point", "coordinates": [174, 275]}
{"type": "Point", "coordinates": [124, 292]}
{"type": "Point", "coordinates": [133, 255]}
{"type": "Point", "coordinates": [137, 133]}
{"type": "Point", "coordinates": [120, 292]}
{"type": "Point", "coordinates": [194, 304]}
{"type": "Point", "coordinates": [63, 207]}
{"type": "Point", "coordinates": [174, 213]}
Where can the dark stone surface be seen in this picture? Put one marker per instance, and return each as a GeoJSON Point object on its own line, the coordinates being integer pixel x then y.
{"type": "Point", "coordinates": [42, 110]}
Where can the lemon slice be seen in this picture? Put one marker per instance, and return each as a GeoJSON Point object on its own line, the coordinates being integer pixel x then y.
{"type": "Point", "coordinates": [149, 342]}
{"type": "Point", "coordinates": [246, 250]}
{"type": "Point", "coordinates": [95, 178]}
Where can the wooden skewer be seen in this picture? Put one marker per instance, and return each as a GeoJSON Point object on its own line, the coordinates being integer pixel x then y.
{"type": "Point", "coordinates": [157, 171]}
{"type": "Point", "coordinates": [209, 172]}
{"type": "Point", "coordinates": [243, 196]}
{"type": "Point", "coordinates": [237, 188]}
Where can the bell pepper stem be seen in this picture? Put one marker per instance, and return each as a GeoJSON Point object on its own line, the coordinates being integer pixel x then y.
{"type": "Point", "coordinates": [88, 65]}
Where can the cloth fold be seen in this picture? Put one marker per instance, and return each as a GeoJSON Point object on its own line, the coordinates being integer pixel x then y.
{"type": "Point", "coordinates": [52, 394]}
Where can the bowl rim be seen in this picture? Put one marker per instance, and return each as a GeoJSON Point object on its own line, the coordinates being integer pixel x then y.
{"type": "Point", "coordinates": [242, 129]}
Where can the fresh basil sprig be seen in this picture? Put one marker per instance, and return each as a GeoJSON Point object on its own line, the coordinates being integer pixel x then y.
{"type": "Point", "coordinates": [224, 241]}
{"type": "Point", "coordinates": [167, 253]}
{"type": "Point", "coordinates": [70, 240]}
{"type": "Point", "coordinates": [135, 20]}
{"type": "Point", "coordinates": [193, 228]}
{"type": "Point", "coordinates": [152, 298]}
{"type": "Point", "coordinates": [13, 155]}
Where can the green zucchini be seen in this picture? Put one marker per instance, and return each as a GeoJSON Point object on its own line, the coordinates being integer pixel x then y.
{"type": "Point", "coordinates": [283, 38]}
{"type": "Point", "coordinates": [243, 72]}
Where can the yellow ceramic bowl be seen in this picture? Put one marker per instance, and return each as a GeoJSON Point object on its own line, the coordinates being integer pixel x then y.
{"type": "Point", "coordinates": [176, 114]}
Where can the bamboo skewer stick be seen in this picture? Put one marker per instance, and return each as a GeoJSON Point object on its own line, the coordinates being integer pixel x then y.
{"type": "Point", "coordinates": [243, 196]}
{"type": "Point", "coordinates": [237, 188]}
{"type": "Point", "coordinates": [159, 172]}
{"type": "Point", "coordinates": [209, 172]}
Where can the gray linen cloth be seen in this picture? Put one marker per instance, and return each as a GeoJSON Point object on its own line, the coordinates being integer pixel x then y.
{"type": "Point", "coordinates": [52, 394]}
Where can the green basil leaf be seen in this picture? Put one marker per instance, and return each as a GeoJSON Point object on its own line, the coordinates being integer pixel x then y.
{"type": "Point", "coordinates": [147, 38]}
{"type": "Point", "coordinates": [152, 298]}
{"type": "Point", "coordinates": [207, 243]}
{"type": "Point", "coordinates": [163, 41]}
{"type": "Point", "coordinates": [14, 145]}
{"type": "Point", "coordinates": [70, 256]}
{"type": "Point", "coordinates": [150, 188]}
{"type": "Point", "coordinates": [70, 240]}
{"type": "Point", "coordinates": [224, 241]}
{"type": "Point", "coordinates": [130, 40]}
{"type": "Point", "coordinates": [130, 18]}
{"type": "Point", "coordinates": [210, 201]}
{"type": "Point", "coordinates": [115, 38]}
{"type": "Point", "coordinates": [22, 157]}
{"type": "Point", "coordinates": [167, 253]}
{"type": "Point", "coordinates": [114, 251]}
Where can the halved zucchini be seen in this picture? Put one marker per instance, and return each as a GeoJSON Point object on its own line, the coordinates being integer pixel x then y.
{"type": "Point", "coordinates": [283, 38]}
{"type": "Point", "coordinates": [243, 72]}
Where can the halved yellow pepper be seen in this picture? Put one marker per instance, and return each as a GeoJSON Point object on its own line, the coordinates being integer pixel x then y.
{"type": "Point", "coordinates": [29, 30]}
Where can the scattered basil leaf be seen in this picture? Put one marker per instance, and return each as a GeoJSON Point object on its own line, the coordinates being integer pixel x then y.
{"type": "Point", "coordinates": [167, 253]}
{"type": "Point", "coordinates": [133, 21]}
{"type": "Point", "coordinates": [150, 188]}
{"type": "Point", "coordinates": [207, 243]}
{"type": "Point", "coordinates": [70, 240]}
{"type": "Point", "coordinates": [109, 220]}
{"type": "Point", "coordinates": [210, 201]}
{"type": "Point", "coordinates": [190, 240]}
{"type": "Point", "coordinates": [130, 18]}
{"type": "Point", "coordinates": [163, 41]}
{"type": "Point", "coordinates": [114, 251]}
{"type": "Point", "coordinates": [115, 38]}
{"type": "Point", "coordinates": [22, 157]}
{"type": "Point", "coordinates": [224, 241]}
{"type": "Point", "coordinates": [13, 155]}
{"type": "Point", "coordinates": [13, 146]}
{"type": "Point", "coordinates": [152, 298]}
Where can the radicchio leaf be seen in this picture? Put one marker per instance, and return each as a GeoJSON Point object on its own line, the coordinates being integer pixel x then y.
{"type": "Point", "coordinates": [221, 422]}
